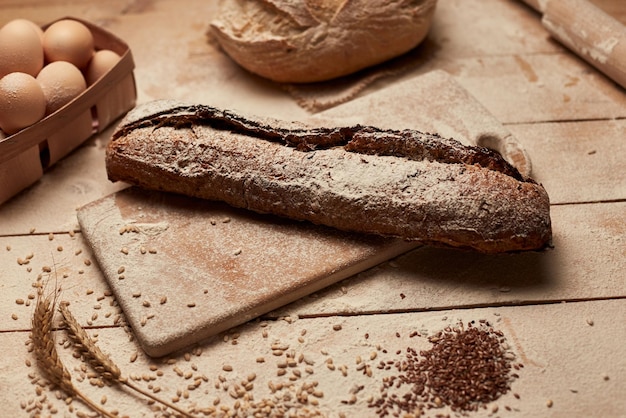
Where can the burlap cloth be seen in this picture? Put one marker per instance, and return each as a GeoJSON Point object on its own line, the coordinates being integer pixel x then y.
{"type": "Point", "coordinates": [316, 97]}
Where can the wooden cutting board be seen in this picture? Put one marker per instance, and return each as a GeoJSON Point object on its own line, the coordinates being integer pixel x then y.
{"type": "Point", "coordinates": [184, 269]}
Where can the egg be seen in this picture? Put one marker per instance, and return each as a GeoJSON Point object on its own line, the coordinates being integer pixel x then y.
{"type": "Point", "coordinates": [68, 40]}
{"type": "Point", "coordinates": [33, 25]}
{"type": "Point", "coordinates": [102, 61]}
{"type": "Point", "coordinates": [21, 48]}
{"type": "Point", "coordinates": [61, 82]}
{"type": "Point", "coordinates": [22, 102]}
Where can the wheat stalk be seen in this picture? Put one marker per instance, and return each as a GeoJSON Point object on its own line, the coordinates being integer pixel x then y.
{"type": "Point", "coordinates": [46, 353]}
{"type": "Point", "coordinates": [100, 362]}
{"type": "Point", "coordinates": [44, 345]}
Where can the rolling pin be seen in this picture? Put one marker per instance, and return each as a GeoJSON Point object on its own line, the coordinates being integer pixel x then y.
{"type": "Point", "coordinates": [587, 30]}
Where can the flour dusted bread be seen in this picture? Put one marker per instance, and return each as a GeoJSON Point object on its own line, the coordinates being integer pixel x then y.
{"type": "Point", "coordinates": [314, 40]}
{"type": "Point", "coordinates": [404, 184]}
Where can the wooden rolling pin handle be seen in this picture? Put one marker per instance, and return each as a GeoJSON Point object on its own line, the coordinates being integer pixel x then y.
{"type": "Point", "coordinates": [591, 33]}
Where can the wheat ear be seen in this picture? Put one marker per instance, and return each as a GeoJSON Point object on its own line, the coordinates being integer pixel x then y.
{"type": "Point", "coordinates": [46, 353]}
{"type": "Point", "coordinates": [100, 362]}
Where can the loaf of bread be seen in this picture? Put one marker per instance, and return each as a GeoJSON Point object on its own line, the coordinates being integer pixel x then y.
{"type": "Point", "coordinates": [299, 41]}
{"type": "Point", "coordinates": [397, 183]}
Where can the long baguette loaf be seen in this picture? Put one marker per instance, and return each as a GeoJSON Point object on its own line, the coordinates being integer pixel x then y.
{"type": "Point", "coordinates": [405, 184]}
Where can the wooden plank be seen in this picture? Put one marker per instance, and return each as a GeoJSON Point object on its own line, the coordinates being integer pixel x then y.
{"type": "Point", "coordinates": [493, 48]}
{"type": "Point", "coordinates": [539, 88]}
{"type": "Point", "coordinates": [432, 279]}
{"type": "Point", "coordinates": [576, 360]}
{"type": "Point", "coordinates": [470, 28]}
{"type": "Point", "coordinates": [424, 279]}
{"type": "Point", "coordinates": [42, 11]}
{"type": "Point", "coordinates": [57, 260]}
{"type": "Point", "coordinates": [577, 162]}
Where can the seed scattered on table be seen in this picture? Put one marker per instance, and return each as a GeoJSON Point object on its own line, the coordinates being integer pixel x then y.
{"type": "Point", "coordinates": [128, 228]}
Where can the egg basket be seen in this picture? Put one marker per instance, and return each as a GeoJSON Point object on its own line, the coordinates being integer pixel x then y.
{"type": "Point", "coordinates": [25, 155]}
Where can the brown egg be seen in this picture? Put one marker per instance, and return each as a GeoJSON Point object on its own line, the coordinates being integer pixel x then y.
{"type": "Point", "coordinates": [22, 102]}
{"type": "Point", "coordinates": [100, 64]}
{"type": "Point", "coordinates": [68, 40]}
{"type": "Point", "coordinates": [21, 48]}
{"type": "Point", "coordinates": [35, 27]}
{"type": "Point", "coordinates": [61, 82]}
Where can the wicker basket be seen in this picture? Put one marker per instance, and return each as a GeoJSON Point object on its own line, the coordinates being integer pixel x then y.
{"type": "Point", "coordinates": [25, 155]}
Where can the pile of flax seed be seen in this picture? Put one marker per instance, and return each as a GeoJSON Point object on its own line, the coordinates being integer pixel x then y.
{"type": "Point", "coordinates": [467, 368]}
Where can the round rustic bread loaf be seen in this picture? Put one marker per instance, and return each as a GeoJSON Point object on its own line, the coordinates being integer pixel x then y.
{"type": "Point", "coordinates": [302, 41]}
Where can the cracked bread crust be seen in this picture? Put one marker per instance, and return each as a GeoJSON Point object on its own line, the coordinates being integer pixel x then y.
{"type": "Point", "coordinates": [463, 205]}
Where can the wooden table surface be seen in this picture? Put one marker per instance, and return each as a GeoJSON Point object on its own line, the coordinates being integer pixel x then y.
{"type": "Point", "coordinates": [563, 312]}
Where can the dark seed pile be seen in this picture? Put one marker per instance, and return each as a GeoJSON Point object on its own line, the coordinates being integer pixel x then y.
{"type": "Point", "coordinates": [467, 367]}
